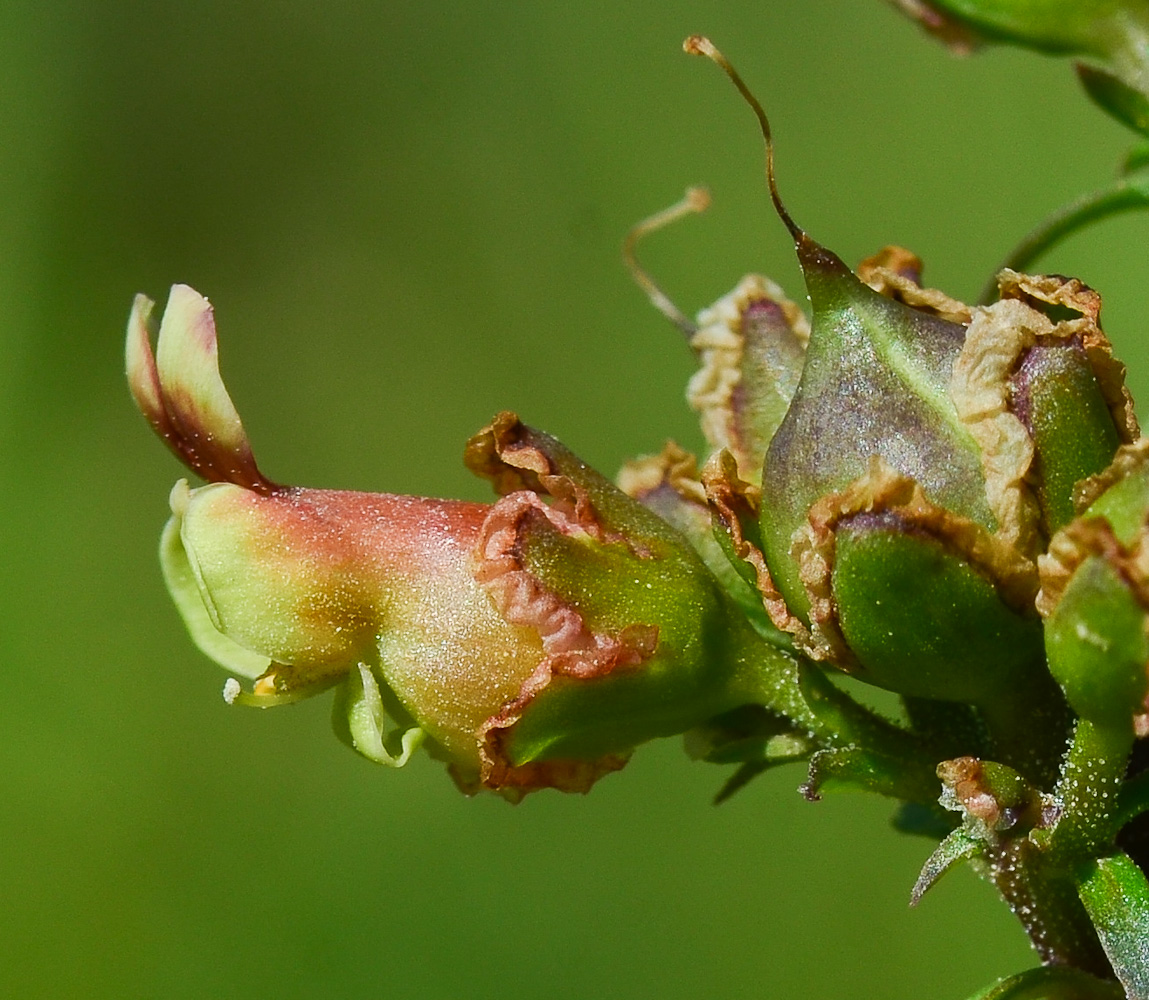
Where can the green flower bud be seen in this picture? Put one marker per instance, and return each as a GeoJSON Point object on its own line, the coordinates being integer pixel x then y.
{"type": "Point", "coordinates": [618, 596]}
{"type": "Point", "coordinates": [921, 467]}
{"type": "Point", "coordinates": [928, 453]}
{"type": "Point", "coordinates": [531, 643]}
{"type": "Point", "coordinates": [1095, 595]}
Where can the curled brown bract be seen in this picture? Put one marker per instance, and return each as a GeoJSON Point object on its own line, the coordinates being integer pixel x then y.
{"type": "Point", "coordinates": [997, 338]}
{"type": "Point", "coordinates": [674, 468]}
{"type": "Point", "coordinates": [734, 506]}
{"type": "Point", "coordinates": [897, 273]}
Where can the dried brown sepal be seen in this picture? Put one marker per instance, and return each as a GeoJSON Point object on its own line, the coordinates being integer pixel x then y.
{"type": "Point", "coordinates": [996, 798]}
{"type": "Point", "coordinates": [1075, 295]}
{"type": "Point", "coordinates": [1130, 458]}
{"type": "Point", "coordinates": [964, 779]}
{"type": "Point", "coordinates": [674, 469]}
{"type": "Point", "coordinates": [504, 453]}
{"type": "Point", "coordinates": [897, 273]}
{"type": "Point", "coordinates": [996, 341]}
{"type": "Point", "coordinates": [882, 489]}
{"type": "Point", "coordinates": [734, 507]}
{"type": "Point", "coordinates": [1077, 542]}
{"type": "Point", "coordinates": [516, 457]}
{"type": "Point", "coordinates": [571, 649]}
{"type": "Point", "coordinates": [751, 345]}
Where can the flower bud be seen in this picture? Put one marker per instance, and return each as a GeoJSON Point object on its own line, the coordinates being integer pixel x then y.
{"type": "Point", "coordinates": [1095, 596]}
{"type": "Point", "coordinates": [922, 465]}
{"type": "Point", "coordinates": [531, 643]}
{"type": "Point", "coordinates": [927, 455]}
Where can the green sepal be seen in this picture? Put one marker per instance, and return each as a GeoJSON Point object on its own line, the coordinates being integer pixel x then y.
{"type": "Point", "coordinates": [747, 734]}
{"type": "Point", "coordinates": [694, 641]}
{"type": "Point", "coordinates": [958, 846]}
{"type": "Point", "coordinates": [359, 715]}
{"type": "Point", "coordinates": [922, 621]}
{"type": "Point", "coordinates": [1116, 897]}
{"type": "Point", "coordinates": [640, 640]}
{"type": "Point", "coordinates": [1097, 647]}
{"type": "Point", "coordinates": [1109, 92]}
{"type": "Point", "coordinates": [751, 736]}
{"type": "Point", "coordinates": [1052, 982]}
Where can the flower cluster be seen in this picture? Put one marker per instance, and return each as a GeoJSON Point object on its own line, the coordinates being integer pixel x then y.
{"type": "Point", "coordinates": [945, 501]}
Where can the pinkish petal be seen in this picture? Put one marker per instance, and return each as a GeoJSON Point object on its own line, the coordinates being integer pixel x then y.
{"type": "Point", "coordinates": [212, 439]}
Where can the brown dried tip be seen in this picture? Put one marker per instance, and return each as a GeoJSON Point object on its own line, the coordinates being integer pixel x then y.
{"type": "Point", "coordinates": [700, 45]}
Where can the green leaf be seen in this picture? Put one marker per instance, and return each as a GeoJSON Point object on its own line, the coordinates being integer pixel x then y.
{"type": "Point", "coordinates": [957, 847]}
{"type": "Point", "coordinates": [1116, 896]}
{"type": "Point", "coordinates": [1136, 159]}
{"type": "Point", "coordinates": [1125, 103]}
{"type": "Point", "coordinates": [1052, 982]}
{"type": "Point", "coordinates": [859, 770]}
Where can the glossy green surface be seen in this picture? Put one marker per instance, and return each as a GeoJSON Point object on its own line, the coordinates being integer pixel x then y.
{"type": "Point", "coordinates": [409, 218]}
{"type": "Point", "coordinates": [923, 622]}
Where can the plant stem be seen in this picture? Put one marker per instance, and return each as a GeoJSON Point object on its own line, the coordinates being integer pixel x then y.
{"type": "Point", "coordinates": [1125, 194]}
{"type": "Point", "coordinates": [1091, 779]}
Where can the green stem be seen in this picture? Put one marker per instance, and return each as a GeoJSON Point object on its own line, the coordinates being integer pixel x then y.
{"type": "Point", "coordinates": [1044, 898]}
{"type": "Point", "coordinates": [1088, 791]}
{"type": "Point", "coordinates": [802, 693]}
{"type": "Point", "coordinates": [1124, 195]}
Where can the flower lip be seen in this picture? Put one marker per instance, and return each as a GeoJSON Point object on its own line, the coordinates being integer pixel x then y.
{"type": "Point", "coordinates": [179, 390]}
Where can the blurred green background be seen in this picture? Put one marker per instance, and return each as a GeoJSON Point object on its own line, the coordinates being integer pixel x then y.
{"type": "Point", "coordinates": [408, 217]}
